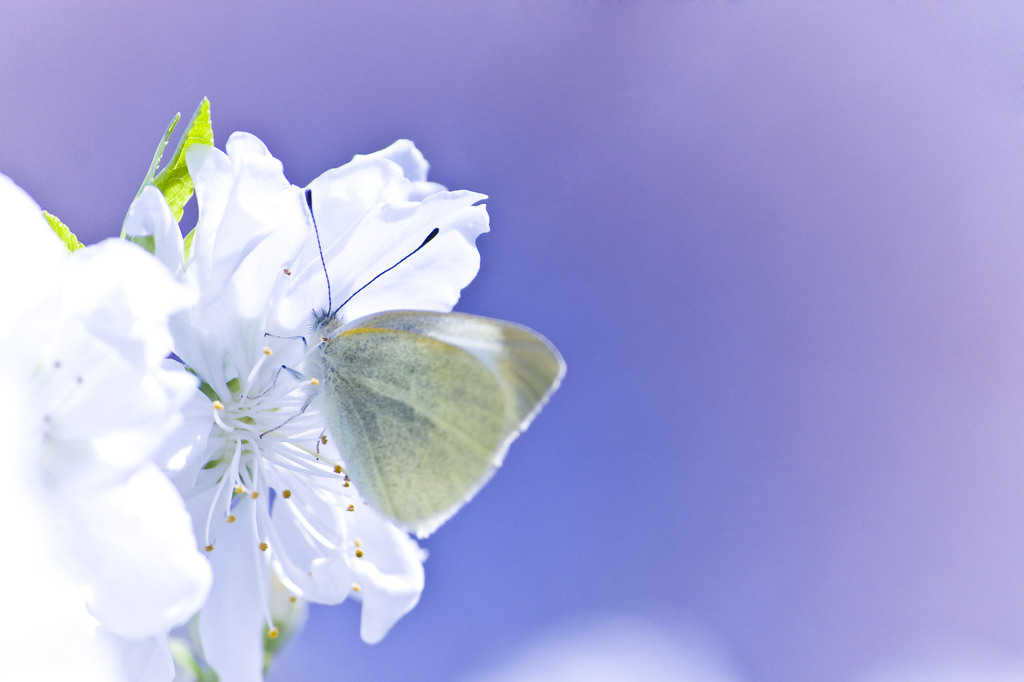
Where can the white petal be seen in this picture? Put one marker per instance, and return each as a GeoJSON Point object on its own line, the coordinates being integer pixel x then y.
{"type": "Point", "coordinates": [231, 622]}
{"type": "Point", "coordinates": [210, 169]}
{"type": "Point", "coordinates": [144, 573]}
{"type": "Point", "coordinates": [246, 145]}
{"type": "Point", "coordinates": [389, 575]}
{"type": "Point", "coordinates": [316, 552]}
{"type": "Point", "coordinates": [32, 253]}
{"type": "Point", "coordinates": [45, 632]}
{"type": "Point", "coordinates": [252, 222]}
{"type": "Point", "coordinates": [406, 155]}
{"type": "Point", "coordinates": [181, 455]}
{"type": "Point", "coordinates": [149, 215]}
{"type": "Point", "coordinates": [413, 165]}
{"type": "Point", "coordinates": [391, 581]}
{"type": "Point", "coordinates": [308, 527]}
{"type": "Point", "coordinates": [123, 296]}
{"type": "Point", "coordinates": [144, 660]}
{"type": "Point", "coordinates": [243, 197]}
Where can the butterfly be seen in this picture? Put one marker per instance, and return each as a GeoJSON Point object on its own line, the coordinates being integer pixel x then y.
{"type": "Point", "coordinates": [424, 405]}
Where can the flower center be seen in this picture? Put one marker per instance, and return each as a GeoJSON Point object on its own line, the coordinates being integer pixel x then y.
{"type": "Point", "coordinates": [269, 453]}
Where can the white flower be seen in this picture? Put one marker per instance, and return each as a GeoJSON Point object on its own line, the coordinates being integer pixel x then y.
{"type": "Point", "coordinates": [266, 490]}
{"type": "Point", "coordinates": [86, 405]}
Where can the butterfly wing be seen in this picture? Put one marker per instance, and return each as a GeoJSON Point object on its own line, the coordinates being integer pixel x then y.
{"type": "Point", "coordinates": [423, 406]}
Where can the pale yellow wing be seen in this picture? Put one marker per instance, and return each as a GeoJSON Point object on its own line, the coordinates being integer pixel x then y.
{"type": "Point", "coordinates": [423, 406]}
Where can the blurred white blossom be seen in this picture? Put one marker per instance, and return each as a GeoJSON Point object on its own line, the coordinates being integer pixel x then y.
{"type": "Point", "coordinates": [102, 559]}
{"type": "Point", "coordinates": [617, 649]}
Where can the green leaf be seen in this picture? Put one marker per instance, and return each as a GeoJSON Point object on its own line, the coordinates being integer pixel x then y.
{"type": "Point", "coordinates": [153, 165]}
{"type": "Point", "coordinates": [63, 232]}
{"type": "Point", "coordinates": [159, 154]}
{"type": "Point", "coordinates": [174, 180]}
{"type": "Point", "coordinates": [188, 242]}
{"type": "Point", "coordinates": [188, 662]}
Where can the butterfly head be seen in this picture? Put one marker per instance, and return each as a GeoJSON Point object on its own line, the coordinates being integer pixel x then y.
{"type": "Point", "coordinates": [323, 323]}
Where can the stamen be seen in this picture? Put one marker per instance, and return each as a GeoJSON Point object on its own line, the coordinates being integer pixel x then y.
{"type": "Point", "coordinates": [232, 469]}
{"type": "Point", "coordinates": [256, 367]}
{"type": "Point", "coordinates": [220, 491]}
{"type": "Point", "coordinates": [286, 494]}
{"type": "Point", "coordinates": [209, 548]}
{"type": "Point", "coordinates": [218, 406]}
{"type": "Point", "coordinates": [314, 381]}
{"type": "Point", "coordinates": [351, 507]}
{"type": "Point", "coordinates": [267, 351]}
{"type": "Point", "coordinates": [262, 568]}
{"type": "Point", "coordinates": [359, 553]}
{"type": "Point", "coordinates": [258, 459]}
{"type": "Point", "coordinates": [272, 633]}
{"type": "Point", "coordinates": [356, 587]}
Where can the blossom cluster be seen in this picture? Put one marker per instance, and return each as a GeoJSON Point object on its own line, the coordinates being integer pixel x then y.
{"type": "Point", "coordinates": [170, 465]}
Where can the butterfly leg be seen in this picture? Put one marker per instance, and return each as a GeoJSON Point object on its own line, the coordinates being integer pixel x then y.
{"type": "Point", "coordinates": [301, 410]}
{"type": "Point", "coordinates": [296, 374]}
{"type": "Point", "coordinates": [305, 346]}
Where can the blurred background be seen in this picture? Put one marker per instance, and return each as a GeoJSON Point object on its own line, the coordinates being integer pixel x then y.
{"type": "Point", "coordinates": [781, 246]}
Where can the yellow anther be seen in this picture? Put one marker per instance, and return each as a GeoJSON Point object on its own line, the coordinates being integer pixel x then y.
{"type": "Point", "coordinates": [263, 546]}
{"type": "Point", "coordinates": [231, 518]}
{"type": "Point", "coordinates": [347, 484]}
{"type": "Point", "coordinates": [272, 633]}
{"type": "Point", "coordinates": [323, 438]}
{"type": "Point", "coordinates": [239, 489]}
{"type": "Point", "coordinates": [337, 468]}
{"type": "Point", "coordinates": [218, 405]}
{"type": "Point", "coordinates": [359, 553]}
{"type": "Point", "coordinates": [355, 587]}
{"type": "Point", "coordinates": [287, 272]}
{"type": "Point", "coordinates": [314, 381]}
{"type": "Point", "coordinates": [209, 548]}
{"type": "Point", "coordinates": [286, 494]}
{"type": "Point", "coordinates": [358, 542]}
{"type": "Point", "coordinates": [293, 599]}
{"type": "Point", "coordinates": [267, 351]}
{"type": "Point", "coordinates": [255, 494]}
{"type": "Point", "coordinates": [351, 507]}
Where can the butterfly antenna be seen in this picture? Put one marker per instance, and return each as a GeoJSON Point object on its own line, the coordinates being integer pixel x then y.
{"type": "Point", "coordinates": [309, 202]}
{"type": "Point", "coordinates": [433, 233]}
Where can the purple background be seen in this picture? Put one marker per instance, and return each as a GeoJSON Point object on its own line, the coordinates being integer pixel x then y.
{"type": "Point", "coordinates": [781, 248]}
